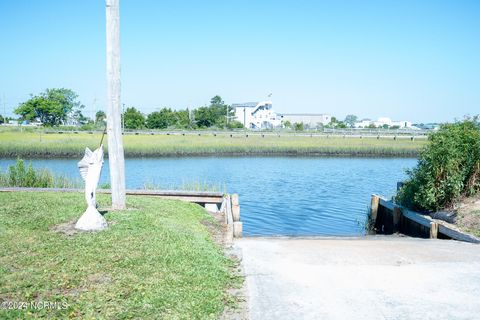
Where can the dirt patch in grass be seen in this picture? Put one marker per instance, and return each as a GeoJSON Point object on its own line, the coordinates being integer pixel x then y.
{"type": "Point", "coordinates": [216, 228]}
{"type": "Point", "coordinates": [235, 299]}
{"type": "Point", "coordinates": [468, 215]}
{"type": "Point", "coordinates": [67, 228]}
{"type": "Point", "coordinates": [99, 279]}
{"type": "Point", "coordinates": [236, 306]}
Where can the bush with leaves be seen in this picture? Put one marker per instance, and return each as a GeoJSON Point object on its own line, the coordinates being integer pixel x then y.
{"type": "Point", "coordinates": [133, 119]}
{"type": "Point", "coordinates": [234, 124]}
{"type": "Point", "coordinates": [298, 126]}
{"type": "Point", "coordinates": [161, 119]}
{"type": "Point", "coordinates": [448, 169]}
{"type": "Point", "coordinates": [214, 115]}
{"type": "Point", "coordinates": [52, 107]}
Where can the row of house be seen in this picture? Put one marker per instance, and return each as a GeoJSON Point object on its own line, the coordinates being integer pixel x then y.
{"type": "Point", "coordinates": [260, 115]}
{"type": "Point", "coordinates": [382, 122]}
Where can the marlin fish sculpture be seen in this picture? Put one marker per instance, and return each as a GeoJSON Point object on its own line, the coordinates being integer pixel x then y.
{"type": "Point", "coordinates": [90, 168]}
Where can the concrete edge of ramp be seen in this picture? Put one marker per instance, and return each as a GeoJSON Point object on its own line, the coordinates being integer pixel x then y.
{"type": "Point", "coordinates": [375, 277]}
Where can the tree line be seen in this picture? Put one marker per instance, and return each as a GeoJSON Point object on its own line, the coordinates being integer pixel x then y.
{"type": "Point", "coordinates": [216, 115]}
{"type": "Point", "coordinates": [55, 107]}
{"type": "Point", "coordinates": [60, 106]}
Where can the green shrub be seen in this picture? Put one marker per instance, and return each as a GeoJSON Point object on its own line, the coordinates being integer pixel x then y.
{"type": "Point", "coordinates": [448, 168]}
{"type": "Point", "coordinates": [18, 175]}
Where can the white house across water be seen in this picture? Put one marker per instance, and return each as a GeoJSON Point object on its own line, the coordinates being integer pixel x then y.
{"type": "Point", "coordinates": [256, 115]}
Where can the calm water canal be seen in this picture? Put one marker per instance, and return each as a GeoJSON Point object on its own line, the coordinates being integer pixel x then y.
{"type": "Point", "coordinates": [278, 195]}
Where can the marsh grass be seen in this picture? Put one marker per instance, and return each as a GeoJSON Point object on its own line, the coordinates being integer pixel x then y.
{"type": "Point", "coordinates": [20, 175]}
{"type": "Point", "coordinates": [38, 144]}
{"type": "Point", "coordinates": [187, 186]}
{"type": "Point", "coordinates": [156, 260]}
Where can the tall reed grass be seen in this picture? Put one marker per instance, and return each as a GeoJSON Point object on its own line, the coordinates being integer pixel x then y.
{"type": "Point", "coordinates": [37, 144]}
{"type": "Point", "coordinates": [187, 186]}
{"type": "Point", "coordinates": [19, 175]}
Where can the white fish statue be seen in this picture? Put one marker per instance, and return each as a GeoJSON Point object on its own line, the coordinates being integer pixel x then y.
{"type": "Point", "coordinates": [90, 168]}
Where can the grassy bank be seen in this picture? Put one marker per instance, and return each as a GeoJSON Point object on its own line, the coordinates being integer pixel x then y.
{"type": "Point", "coordinates": [468, 215]}
{"type": "Point", "coordinates": [36, 144]}
{"type": "Point", "coordinates": [156, 260]}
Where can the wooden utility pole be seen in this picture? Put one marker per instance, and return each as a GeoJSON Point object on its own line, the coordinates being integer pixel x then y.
{"type": "Point", "coordinates": [114, 124]}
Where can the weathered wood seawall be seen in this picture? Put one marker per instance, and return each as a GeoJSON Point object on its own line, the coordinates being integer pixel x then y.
{"type": "Point", "coordinates": [388, 217]}
{"type": "Point", "coordinates": [230, 208]}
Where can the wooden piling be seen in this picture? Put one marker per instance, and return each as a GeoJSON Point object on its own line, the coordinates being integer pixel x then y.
{"type": "Point", "coordinates": [235, 209]}
{"type": "Point", "coordinates": [236, 212]}
{"type": "Point", "coordinates": [374, 207]}
{"type": "Point", "coordinates": [228, 213]}
{"type": "Point", "coordinates": [433, 230]}
{"type": "Point", "coordinates": [235, 201]}
{"type": "Point", "coordinates": [397, 214]}
{"type": "Point", "coordinates": [237, 229]}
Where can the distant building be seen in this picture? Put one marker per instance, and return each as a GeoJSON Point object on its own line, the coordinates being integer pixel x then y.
{"type": "Point", "coordinates": [365, 123]}
{"type": "Point", "coordinates": [256, 115]}
{"type": "Point", "coordinates": [309, 119]}
{"type": "Point", "coordinates": [427, 126]}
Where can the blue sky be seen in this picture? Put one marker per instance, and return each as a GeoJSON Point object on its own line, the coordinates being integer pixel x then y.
{"type": "Point", "coordinates": [408, 60]}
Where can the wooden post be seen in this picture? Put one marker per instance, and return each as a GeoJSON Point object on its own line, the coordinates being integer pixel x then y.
{"type": "Point", "coordinates": [235, 199]}
{"type": "Point", "coordinates": [237, 229]}
{"type": "Point", "coordinates": [235, 207]}
{"type": "Point", "coordinates": [374, 207]}
{"type": "Point", "coordinates": [433, 230]}
{"type": "Point", "coordinates": [115, 139]}
{"type": "Point", "coordinates": [397, 213]}
{"type": "Point", "coordinates": [229, 221]}
{"type": "Point", "coordinates": [372, 221]}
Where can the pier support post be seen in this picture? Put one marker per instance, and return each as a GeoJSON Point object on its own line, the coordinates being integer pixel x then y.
{"type": "Point", "coordinates": [374, 207]}
{"type": "Point", "coordinates": [235, 207]}
{"type": "Point", "coordinates": [375, 202]}
{"type": "Point", "coordinates": [237, 229]}
{"type": "Point", "coordinates": [433, 230]}
{"type": "Point", "coordinates": [397, 214]}
{"type": "Point", "coordinates": [231, 208]}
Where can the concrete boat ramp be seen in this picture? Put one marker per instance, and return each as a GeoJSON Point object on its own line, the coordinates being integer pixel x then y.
{"type": "Point", "coordinates": [378, 277]}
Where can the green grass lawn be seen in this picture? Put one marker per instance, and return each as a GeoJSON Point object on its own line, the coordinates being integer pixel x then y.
{"type": "Point", "coordinates": [37, 144]}
{"type": "Point", "coordinates": [156, 260]}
